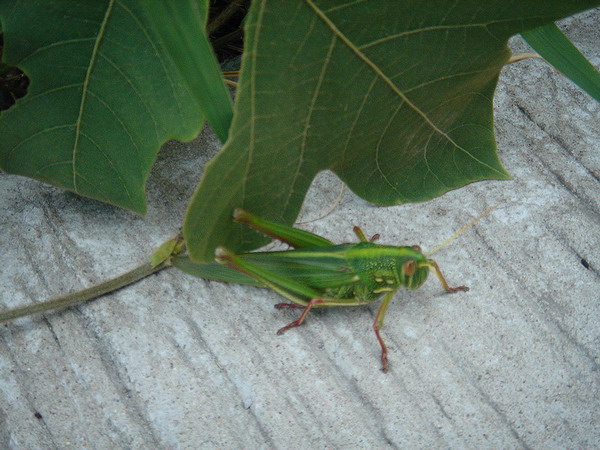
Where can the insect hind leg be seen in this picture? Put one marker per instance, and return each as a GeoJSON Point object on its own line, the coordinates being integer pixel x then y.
{"type": "Point", "coordinates": [316, 302]}
{"type": "Point", "coordinates": [289, 305]}
{"type": "Point", "coordinates": [300, 320]}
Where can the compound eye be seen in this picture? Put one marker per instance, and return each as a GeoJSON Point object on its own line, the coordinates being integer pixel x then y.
{"type": "Point", "coordinates": [409, 268]}
{"type": "Point", "coordinates": [417, 248]}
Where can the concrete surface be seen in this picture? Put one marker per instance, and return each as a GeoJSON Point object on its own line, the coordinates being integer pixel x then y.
{"type": "Point", "coordinates": [177, 362]}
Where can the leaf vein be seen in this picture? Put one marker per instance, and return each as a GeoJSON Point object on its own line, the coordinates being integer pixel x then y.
{"type": "Point", "coordinates": [355, 121]}
{"type": "Point", "coordinates": [378, 147]}
{"type": "Point", "coordinates": [137, 93]}
{"type": "Point", "coordinates": [307, 122]}
{"type": "Point", "coordinates": [111, 164]}
{"type": "Point", "coordinates": [53, 45]}
{"type": "Point", "coordinates": [34, 135]}
{"type": "Point", "coordinates": [152, 42]}
{"type": "Point", "coordinates": [120, 121]}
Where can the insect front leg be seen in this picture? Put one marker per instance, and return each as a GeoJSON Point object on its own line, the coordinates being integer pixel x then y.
{"type": "Point", "coordinates": [443, 281]}
{"type": "Point", "coordinates": [361, 235]}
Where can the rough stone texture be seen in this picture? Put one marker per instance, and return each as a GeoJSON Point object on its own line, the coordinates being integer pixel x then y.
{"type": "Point", "coordinates": [177, 362]}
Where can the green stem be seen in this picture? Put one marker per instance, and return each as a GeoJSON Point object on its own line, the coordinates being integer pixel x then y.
{"type": "Point", "coordinates": [65, 301]}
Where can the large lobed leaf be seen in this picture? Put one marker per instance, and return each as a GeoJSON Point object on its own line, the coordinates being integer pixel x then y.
{"type": "Point", "coordinates": [104, 95]}
{"type": "Point", "coordinates": [394, 96]}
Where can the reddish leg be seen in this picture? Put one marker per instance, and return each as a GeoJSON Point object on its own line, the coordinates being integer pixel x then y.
{"type": "Point", "coordinates": [289, 305]}
{"type": "Point", "coordinates": [300, 320]}
{"type": "Point", "coordinates": [452, 290]}
{"type": "Point", "coordinates": [378, 323]}
{"type": "Point", "coordinates": [384, 364]}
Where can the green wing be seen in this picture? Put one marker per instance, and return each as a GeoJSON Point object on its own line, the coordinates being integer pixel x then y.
{"type": "Point", "coordinates": [318, 268]}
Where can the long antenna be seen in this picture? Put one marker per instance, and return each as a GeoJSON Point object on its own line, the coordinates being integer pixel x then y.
{"type": "Point", "coordinates": [462, 230]}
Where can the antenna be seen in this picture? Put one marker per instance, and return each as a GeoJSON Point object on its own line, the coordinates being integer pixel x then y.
{"type": "Point", "coordinates": [462, 230]}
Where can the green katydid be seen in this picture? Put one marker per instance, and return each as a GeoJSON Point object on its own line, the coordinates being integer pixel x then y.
{"type": "Point", "coordinates": [317, 273]}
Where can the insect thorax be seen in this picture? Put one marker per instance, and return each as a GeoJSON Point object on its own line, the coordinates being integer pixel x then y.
{"type": "Point", "coordinates": [384, 269]}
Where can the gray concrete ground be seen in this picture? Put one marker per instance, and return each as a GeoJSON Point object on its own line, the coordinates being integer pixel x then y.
{"type": "Point", "coordinates": [177, 362]}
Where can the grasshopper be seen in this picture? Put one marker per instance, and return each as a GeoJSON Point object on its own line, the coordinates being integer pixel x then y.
{"type": "Point", "coordinates": [316, 273]}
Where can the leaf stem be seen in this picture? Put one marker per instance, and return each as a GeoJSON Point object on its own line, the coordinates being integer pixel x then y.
{"type": "Point", "coordinates": [522, 56]}
{"type": "Point", "coordinates": [75, 298]}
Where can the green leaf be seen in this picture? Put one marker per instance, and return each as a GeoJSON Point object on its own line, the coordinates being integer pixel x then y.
{"type": "Point", "coordinates": [103, 97]}
{"type": "Point", "coordinates": [558, 50]}
{"type": "Point", "coordinates": [179, 30]}
{"type": "Point", "coordinates": [394, 96]}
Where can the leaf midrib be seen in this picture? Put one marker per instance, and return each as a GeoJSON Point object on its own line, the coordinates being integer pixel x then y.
{"type": "Point", "coordinates": [86, 82]}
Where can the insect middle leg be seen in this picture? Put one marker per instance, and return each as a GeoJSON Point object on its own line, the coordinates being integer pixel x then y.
{"type": "Point", "coordinates": [378, 323]}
